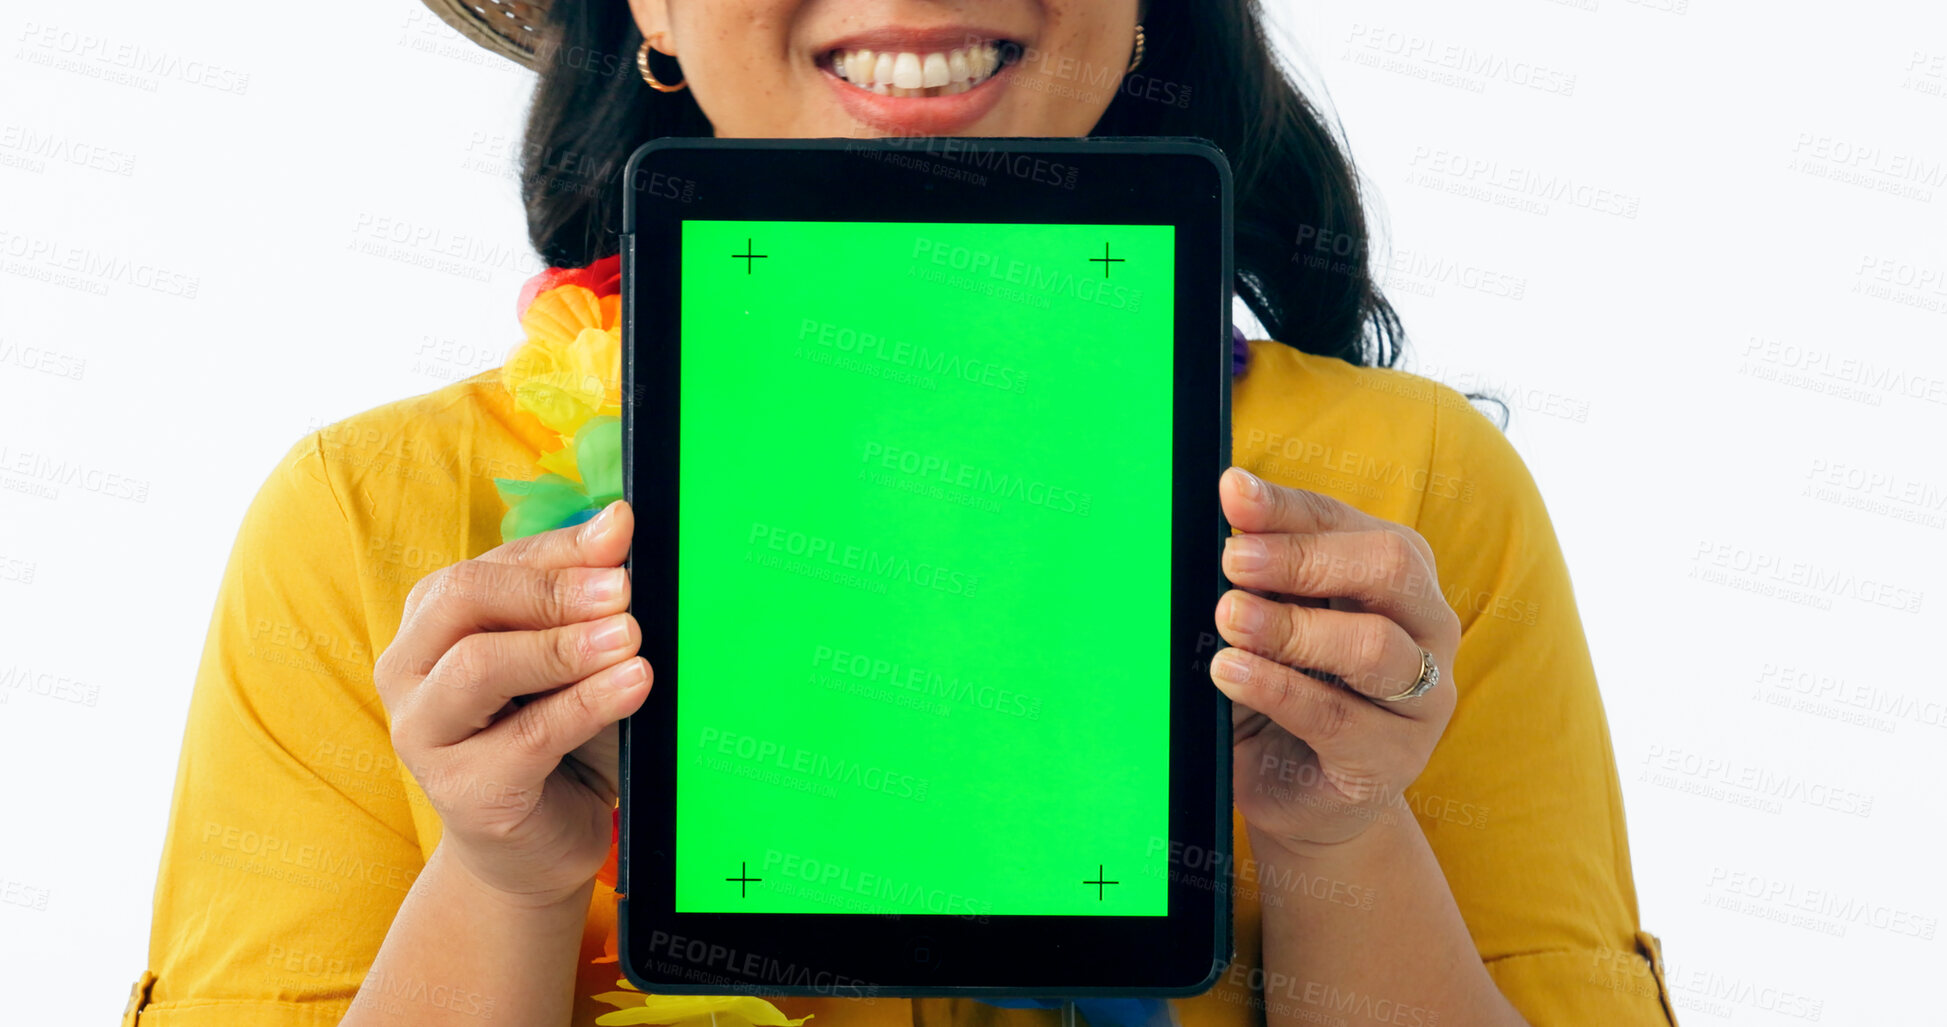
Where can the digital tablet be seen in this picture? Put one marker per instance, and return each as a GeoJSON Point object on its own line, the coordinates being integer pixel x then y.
{"type": "Point", "coordinates": [923, 439]}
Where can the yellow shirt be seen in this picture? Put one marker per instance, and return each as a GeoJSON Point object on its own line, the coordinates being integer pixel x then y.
{"type": "Point", "coordinates": [295, 833]}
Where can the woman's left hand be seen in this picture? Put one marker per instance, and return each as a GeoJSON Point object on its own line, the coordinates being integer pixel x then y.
{"type": "Point", "coordinates": [1319, 755]}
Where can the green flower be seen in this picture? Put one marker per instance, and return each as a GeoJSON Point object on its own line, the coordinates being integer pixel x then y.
{"type": "Point", "coordinates": [554, 501]}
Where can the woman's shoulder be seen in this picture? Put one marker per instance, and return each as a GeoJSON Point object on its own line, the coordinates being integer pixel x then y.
{"type": "Point", "coordinates": [1392, 443]}
{"type": "Point", "coordinates": [409, 481]}
{"type": "Point", "coordinates": [467, 427]}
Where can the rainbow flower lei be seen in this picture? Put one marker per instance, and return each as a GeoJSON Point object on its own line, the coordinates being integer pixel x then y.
{"type": "Point", "coordinates": [569, 375]}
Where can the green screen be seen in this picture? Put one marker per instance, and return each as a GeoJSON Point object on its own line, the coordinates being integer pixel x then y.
{"type": "Point", "coordinates": [923, 569]}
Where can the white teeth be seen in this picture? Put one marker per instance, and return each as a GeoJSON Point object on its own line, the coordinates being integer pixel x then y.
{"type": "Point", "coordinates": [910, 74]}
{"type": "Point", "coordinates": [906, 73]}
{"type": "Point", "coordinates": [934, 71]}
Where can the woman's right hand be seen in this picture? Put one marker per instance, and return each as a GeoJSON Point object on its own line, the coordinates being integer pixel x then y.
{"type": "Point", "coordinates": [504, 665]}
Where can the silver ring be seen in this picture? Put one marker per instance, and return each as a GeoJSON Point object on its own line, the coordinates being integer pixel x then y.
{"type": "Point", "coordinates": [1429, 676]}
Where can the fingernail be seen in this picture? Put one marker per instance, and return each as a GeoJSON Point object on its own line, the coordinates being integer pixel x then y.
{"type": "Point", "coordinates": [612, 633]}
{"type": "Point", "coordinates": [1251, 485]}
{"type": "Point", "coordinates": [1245, 615]}
{"type": "Point", "coordinates": [629, 675]}
{"type": "Point", "coordinates": [607, 584]}
{"type": "Point", "coordinates": [1228, 666]}
{"type": "Point", "coordinates": [598, 525]}
{"type": "Point", "coordinates": [1244, 553]}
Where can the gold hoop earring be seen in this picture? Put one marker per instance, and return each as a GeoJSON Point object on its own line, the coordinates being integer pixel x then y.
{"type": "Point", "coordinates": [642, 65]}
{"type": "Point", "coordinates": [1138, 58]}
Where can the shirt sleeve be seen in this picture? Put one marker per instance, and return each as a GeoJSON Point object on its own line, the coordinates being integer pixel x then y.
{"type": "Point", "coordinates": [290, 841]}
{"type": "Point", "coordinates": [1521, 800]}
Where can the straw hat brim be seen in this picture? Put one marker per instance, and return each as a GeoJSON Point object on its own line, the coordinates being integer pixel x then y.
{"type": "Point", "coordinates": [510, 28]}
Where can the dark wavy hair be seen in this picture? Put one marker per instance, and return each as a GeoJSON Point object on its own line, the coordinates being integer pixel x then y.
{"type": "Point", "coordinates": [1302, 252]}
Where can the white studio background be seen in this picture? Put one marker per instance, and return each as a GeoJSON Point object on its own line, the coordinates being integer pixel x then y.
{"type": "Point", "coordinates": [1700, 246]}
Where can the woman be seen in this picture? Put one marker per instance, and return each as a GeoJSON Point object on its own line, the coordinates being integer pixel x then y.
{"type": "Point", "coordinates": [369, 828]}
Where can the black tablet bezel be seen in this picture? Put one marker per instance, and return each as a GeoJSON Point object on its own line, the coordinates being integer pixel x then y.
{"type": "Point", "coordinates": [1180, 182]}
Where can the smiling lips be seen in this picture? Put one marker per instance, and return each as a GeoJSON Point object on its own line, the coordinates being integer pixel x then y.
{"type": "Point", "coordinates": [911, 81]}
{"type": "Point", "coordinates": [917, 74]}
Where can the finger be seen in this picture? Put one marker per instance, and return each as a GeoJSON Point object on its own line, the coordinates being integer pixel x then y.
{"type": "Point", "coordinates": [530, 744]}
{"type": "Point", "coordinates": [1377, 569]}
{"type": "Point", "coordinates": [1337, 723]}
{"type": "Point", "coordinates": [1366, 652]}
{"type": "Point", "coordinates": [481, 674]}
{"type": "Point", "coordinates": [602, 541]}
{"type": "Point", "coordinates": [1252, 504]}
{"type": "Point", "coordinates": [473, 596]}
